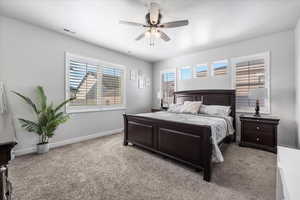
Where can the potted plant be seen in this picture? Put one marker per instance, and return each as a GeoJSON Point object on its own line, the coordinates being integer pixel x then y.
{"type": "Point", "coordinates": [48, 118]}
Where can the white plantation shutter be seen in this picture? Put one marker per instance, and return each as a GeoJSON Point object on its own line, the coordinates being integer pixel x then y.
{"type": "Point", "coordinates": [111, 86]}
{"type": "Point", "coordinates": [94, 85]}
{"type": "Point", "coordinates": [250, 73]}
{"type": "Point", "coordinates": [82, 81]}
{"type": "Point", "coordinates": [168, 85]}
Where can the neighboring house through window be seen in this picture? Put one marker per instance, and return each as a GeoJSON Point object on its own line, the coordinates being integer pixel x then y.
{"type": "Point", "coordinates": [219, 68]}
{"type": "Point", "coordinates": [95, 84]}
{"type": "Point", "coordinates": [201, 71]}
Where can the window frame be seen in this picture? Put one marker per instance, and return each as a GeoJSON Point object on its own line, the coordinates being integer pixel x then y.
{"type": "Point", "coordinates": [218, 61]}
{"type": "Point", "coordinates": [198, 65]}
{"type": "Point", "coordinates": [92, 108]}
{"type": "Point", "coordinates": [266, 57]}
{"type": "Point", "coordinates": [175, 70]}
{"type": "Point", "coordinates": [185, 67]}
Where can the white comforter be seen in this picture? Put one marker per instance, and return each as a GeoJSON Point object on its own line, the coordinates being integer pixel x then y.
{"type": "Point", "coordinates": [220, 126]}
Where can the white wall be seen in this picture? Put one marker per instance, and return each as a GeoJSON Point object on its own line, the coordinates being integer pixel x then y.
{"type": "Point", "coordinates": [281, 47]}
{"type": "Point", "coordinates": [297, 76]}
{"type": "Point", "coordinates": [31, 56]}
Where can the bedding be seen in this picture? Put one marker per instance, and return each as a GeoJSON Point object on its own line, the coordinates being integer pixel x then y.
{"type": "Point", "coordinates": [215, 110]}
{"type": "Point", "coordinates": [221, 126]}
{"type": "Point", "coordinates": [175, 108]}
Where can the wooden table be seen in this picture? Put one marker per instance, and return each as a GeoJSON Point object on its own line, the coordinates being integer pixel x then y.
{"type": "Point", "coordinates": [5, 157]}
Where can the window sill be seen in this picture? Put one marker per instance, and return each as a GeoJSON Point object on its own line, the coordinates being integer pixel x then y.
{"type": "Point", "coordinates": [86, 110]}
{"type": "Point", "coordinates": [252, 112]}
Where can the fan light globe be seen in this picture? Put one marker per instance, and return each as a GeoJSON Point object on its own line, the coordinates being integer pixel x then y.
{"type": "Point", "coordinates": [147, 34]}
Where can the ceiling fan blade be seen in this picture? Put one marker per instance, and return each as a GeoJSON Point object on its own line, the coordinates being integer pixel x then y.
{"type": "Point", "coordinates": [174, 24]}
{"type": "Point", "coordinates": [132, 23]}
{"type": "Point", "coordinates": [164, 36]}
{"type": "Point", "coordinates": [140, 36]}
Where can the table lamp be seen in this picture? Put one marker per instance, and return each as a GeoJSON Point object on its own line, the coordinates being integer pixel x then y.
{"type": "Point", "coordinates": [159, 96]}
{"type": "Point", "coordinates": [258, 94]}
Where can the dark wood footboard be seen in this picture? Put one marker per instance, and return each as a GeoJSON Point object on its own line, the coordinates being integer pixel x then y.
{"type": "Point", "coordinates": [187, 143]}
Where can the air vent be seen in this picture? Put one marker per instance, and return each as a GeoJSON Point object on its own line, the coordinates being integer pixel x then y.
{"type": "Point", "coordinates": [69, 31]}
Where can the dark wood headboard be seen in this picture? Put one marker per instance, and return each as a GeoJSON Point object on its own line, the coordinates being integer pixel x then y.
{"type": "Point", "coordinates": [209, 97]}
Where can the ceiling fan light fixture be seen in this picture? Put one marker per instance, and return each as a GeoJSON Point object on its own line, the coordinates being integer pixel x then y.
{"type": "Point", "coordinates": [157, 34]}
{"type": "Point", "coordinates": [148, 33]}
{"type": "Point", "coordinates": [153, 26]}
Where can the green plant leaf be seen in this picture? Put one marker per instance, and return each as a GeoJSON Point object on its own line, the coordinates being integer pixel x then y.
{"type": "Point", "coordinates": [30, 126]}
{"type": "Point", "coordinates": [63, 103]}
{"type": "Point", "coordinates": [28, 101]}
{"type": "Point", "coordinates": [42, 97]}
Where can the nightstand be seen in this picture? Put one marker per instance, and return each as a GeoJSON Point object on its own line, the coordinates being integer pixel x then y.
{"type": "Point", "coordinates": [259, 132]}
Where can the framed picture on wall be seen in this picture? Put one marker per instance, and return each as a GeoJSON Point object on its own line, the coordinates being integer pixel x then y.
{"type": "Point", "coordinates": [148, 83]}
{"type": "Point", "coordinates": [141, 82]}
{"type": "Point", "coordinates": [133, 74]}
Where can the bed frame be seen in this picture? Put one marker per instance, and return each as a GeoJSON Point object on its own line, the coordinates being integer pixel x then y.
{"type": "Point", "coordinates": [187, 143]}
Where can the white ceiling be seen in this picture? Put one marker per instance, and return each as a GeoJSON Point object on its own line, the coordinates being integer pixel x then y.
{"type": "Point", "coordinates": [212, 22]}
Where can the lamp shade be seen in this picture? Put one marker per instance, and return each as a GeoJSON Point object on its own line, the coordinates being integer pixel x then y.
{"type": "Point", "coordinates": [258, 93]}
{"type": "Point", "coordinates": [158, 95]}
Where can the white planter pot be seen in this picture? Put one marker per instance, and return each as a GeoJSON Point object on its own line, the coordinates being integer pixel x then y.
{"type": "Point", "coordinates": [42, 148]}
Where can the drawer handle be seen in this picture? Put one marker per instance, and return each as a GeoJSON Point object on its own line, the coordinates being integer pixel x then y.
{"type": "Point", "coordinates": [257, 139]}
{"type": "Point", "coordinates": [257, 128]}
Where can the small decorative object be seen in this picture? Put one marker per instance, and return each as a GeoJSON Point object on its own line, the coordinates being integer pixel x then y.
{"type": "Point", "coordinates": [133, 75]}
{"type": "Point", "coordinates": [49, 118]}
{"type": "Point", "coordinates": [258, 94]}
{"type": "Point", "coordinates": [141, 80]}
{"type": "Point", "coordinates": [148, 83]}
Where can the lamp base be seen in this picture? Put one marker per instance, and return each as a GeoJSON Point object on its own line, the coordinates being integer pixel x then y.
{"type": "Point", "coordinates": [257, 115]}
{"type": "Point", "coordinates": [257, 109]}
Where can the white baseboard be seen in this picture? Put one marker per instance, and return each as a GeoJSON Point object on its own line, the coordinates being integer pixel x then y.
{"type": "Point", "coordinates": [20, 152]}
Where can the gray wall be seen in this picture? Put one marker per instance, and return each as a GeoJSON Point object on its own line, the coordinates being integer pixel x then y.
{"type": "Point", "coordinates": [32, 56]}
{"type": "Point", "coordinates": [281, 46]}
{"type": "Point", "coordinates": [297, 76]}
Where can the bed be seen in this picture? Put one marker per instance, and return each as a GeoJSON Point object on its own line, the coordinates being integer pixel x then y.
{"type": "Point", "coordinates": [187, 138]}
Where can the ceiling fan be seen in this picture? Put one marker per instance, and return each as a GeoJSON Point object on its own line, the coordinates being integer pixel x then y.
{"type": "Point", "coordinates": [153, 25]}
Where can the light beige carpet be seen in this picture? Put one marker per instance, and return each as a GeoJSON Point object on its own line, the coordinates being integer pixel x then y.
{"type": "Point", "coordinates": [103, 169]}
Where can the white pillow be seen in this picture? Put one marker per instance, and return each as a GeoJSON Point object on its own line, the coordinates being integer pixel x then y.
{"type": "Point", "coordinates": [175, 108]}
{"type": "Point", "coordinates": [215, 110]}
{"type": "Point", "coordinates": [187, 102]}
{"type": "Point", "coordinates": [191, 107]}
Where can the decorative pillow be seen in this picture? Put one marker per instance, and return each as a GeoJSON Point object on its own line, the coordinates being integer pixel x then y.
{"type": "Point", "coordinates": [191, 107]}
{"type": "Point", "coordinates": [175, 108]}
{"type": "Point", "coordinates": [215, 110]}
{"type": "Point", "coordinates": [187, 102]}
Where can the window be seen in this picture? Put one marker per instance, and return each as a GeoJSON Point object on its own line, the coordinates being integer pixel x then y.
{"type": "Point", "coordinates": [251, 72]}
{"type": "Point", "coordinates": [186, 73]}
{"type": "Point", "coordinates": [201, 71]}
{"type": "Point", "coordinates": [219, 68]}
{"type": "Point", "coordinates": [168, 86]}
{"type": "Point", "coordinates": [95, 85]}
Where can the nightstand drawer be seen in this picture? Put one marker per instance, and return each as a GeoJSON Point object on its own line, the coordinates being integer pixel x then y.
{"type": "Point", "coordinates": [250, 137]}
{"type": "Point", "coordinates": [259, 138]}
{"type": "Point", "coordinates": [258, 127]}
